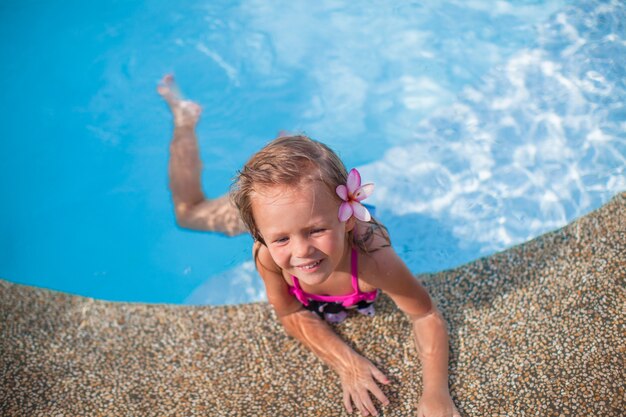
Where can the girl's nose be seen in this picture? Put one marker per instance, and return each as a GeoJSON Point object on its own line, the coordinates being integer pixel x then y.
{"type": "Point", "coordinates": [302, 247]}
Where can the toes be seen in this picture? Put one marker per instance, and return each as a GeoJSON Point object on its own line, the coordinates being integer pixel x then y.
{"type": "Point", "coordinates": [162, 90]}
{"type": "Point", "coordinates": [167, 81]}
{"type": "Point", "coordinates": [168, 89]}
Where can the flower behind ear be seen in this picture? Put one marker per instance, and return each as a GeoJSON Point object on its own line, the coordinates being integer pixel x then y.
{"type": "Point", "coordinates": [352, 194]}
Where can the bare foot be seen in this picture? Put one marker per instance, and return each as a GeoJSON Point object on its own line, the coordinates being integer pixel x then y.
{"type": "Point", "coordinates": [186, 113]}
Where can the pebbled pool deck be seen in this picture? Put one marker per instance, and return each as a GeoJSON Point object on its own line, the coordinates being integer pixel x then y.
{"type": "Point", "coordinates": [537, 330]}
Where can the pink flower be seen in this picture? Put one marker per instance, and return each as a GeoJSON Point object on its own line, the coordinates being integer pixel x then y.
{"type": "Point", "coordinates": [352, 194]}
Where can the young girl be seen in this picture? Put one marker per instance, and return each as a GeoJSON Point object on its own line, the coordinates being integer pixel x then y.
{"type": "Point", "coordinates": [318, 250]}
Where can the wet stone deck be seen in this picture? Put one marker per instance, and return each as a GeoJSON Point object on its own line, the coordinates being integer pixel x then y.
{"type": "Point", "coordinates": [537, 330]}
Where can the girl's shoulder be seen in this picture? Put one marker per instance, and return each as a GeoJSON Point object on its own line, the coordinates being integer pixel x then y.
{"type": "Point", "coordinates": [263, 259]}
{"type": "Point", "coordinates": [275, 285]}
{"type": "Point", "coordinates": [266, 266]}
{"type": "Point", "coordinates": [383, 269]}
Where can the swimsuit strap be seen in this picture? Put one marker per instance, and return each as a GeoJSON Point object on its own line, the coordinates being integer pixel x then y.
{"type": "Point", "coordinates": [297, 291]}
{"type": "Point", "coordinates": [296, 283]}
{"type": "Point", "coordinates": [359, 295]}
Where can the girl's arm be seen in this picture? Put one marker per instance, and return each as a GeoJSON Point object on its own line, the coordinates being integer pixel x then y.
{"type": "Point", "coordinates": [358, 375]}
{"type": "Point", "coordinates": [431, 341]}
{"type": "Point", "coordinates": [385, 270]}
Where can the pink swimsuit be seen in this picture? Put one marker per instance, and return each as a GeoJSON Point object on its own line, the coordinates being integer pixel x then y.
{"type": "Point", "coordinates": [331, 306]}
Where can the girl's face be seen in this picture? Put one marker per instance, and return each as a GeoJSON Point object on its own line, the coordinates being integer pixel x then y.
{"type": "Point", "coordinates": [301, 229]}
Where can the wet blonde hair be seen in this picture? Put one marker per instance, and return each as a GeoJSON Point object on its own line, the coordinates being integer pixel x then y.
{"type": "Point", "coordinates": [290, 160]}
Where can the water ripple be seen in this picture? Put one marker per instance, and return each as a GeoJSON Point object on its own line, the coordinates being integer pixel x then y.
{"type": "Point", "coordinates": [538, 142]}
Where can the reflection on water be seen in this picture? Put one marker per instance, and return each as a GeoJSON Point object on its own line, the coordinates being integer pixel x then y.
{"type": "Point", "coordinates": [535, 144]}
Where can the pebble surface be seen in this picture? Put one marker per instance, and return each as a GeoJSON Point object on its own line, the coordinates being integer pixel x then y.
{"type": "Point", "coordinates": [536, 330]}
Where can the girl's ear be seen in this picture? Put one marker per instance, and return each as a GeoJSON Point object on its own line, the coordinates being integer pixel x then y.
{"type": "Point", "coordinates": [350, 223]}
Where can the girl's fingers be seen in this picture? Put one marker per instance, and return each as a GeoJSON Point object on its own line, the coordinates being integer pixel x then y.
{"type": "Point", "coordinates": [368, 404]}
{"type": "Point", "coordinates": [361, 408]}
{"type": "Point", "coordinates": [359, 394]}
{"type": "Point", "coordinates": [380, 377]}
{"type": "Point", "coordinates": [378, 393]}
{"type": "Point", "coordinates": [349, 398]}
{"type": "Point", "coordinates": [347, 402]}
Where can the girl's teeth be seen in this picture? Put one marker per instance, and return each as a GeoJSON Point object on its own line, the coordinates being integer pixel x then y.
{"type": "Point", "coordinates": [313, 265]}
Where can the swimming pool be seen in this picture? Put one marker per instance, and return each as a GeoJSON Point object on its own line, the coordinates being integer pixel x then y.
{"type": "Point", "coordinates": [483, 125]}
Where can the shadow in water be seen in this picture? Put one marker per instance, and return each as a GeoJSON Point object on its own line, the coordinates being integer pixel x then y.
{"type": "Point", "coordinates": [426, 244]}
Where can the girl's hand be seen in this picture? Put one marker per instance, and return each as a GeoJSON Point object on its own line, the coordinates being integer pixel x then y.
{"type": "Point", "coordinates": [358, 381]}
{"type": "Point", "coordinates": [437, 404]}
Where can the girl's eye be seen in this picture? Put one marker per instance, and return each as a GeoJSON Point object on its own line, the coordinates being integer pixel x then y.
{"type": "Point", "coordinates": [315, 231]}
{"type": "Point", "coordinates": [281, 240]}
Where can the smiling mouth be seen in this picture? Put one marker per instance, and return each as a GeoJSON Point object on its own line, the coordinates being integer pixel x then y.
{"type": "Point", "coordinates": [310, 266]}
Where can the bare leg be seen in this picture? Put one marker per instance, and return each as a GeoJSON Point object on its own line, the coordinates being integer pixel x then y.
{"type": "Point", "coordinates": [192, 209]}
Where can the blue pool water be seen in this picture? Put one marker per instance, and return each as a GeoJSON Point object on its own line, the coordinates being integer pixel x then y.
{"type": "Point", "coordinates": [483, 124]}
